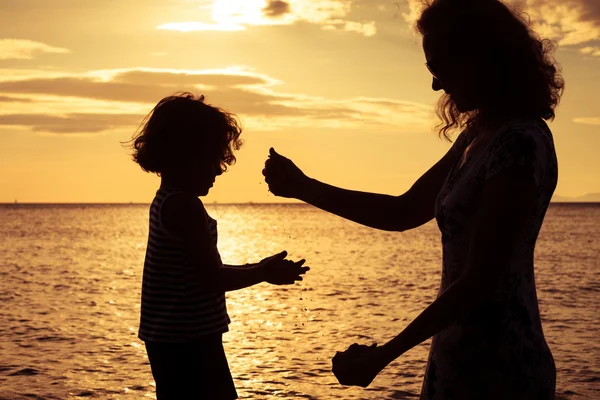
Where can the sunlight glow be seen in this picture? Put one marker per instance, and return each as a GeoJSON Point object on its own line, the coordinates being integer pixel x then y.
{"type": "Point", "coordinates": [234, 15]}
{"type": "Point", "coordinates": [199, 26]}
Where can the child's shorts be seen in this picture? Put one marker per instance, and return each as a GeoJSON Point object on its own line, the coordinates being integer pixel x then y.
{"type": "Point", "coordinates": [194, 370]}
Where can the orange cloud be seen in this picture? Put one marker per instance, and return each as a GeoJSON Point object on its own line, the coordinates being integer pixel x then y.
{"type": "Point", "coordinates": [70, 123]}
{"type": "Point", "coordinates": [98, 101]}
{"type": "Point", "coordinates": [9, 99]}
{"type": "Point", "coordinates": [22, 49]}
{"type": "Point", "coordinates": [590, 50]}
{"type": "Point", "coordinates": [570, 22]}
{"type": "Point", "coordinates": [587, 120]}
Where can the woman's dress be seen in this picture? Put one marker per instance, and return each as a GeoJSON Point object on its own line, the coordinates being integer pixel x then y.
{"type": "Point", "coordinates": [499, 350]}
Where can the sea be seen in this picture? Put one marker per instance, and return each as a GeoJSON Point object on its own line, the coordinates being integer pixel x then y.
{"type": "Point", "coordinates": [70, 279]}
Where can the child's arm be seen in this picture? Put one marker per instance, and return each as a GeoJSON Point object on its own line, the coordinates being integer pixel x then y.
{"type": "Point", "coordinates": [275, 270]}
{"type": "Point", "coordinates": [245, 266]}
{"type": "Point", "coordinates": [184, 216]}
{"type": "Point", "coordinates": [249, 265]}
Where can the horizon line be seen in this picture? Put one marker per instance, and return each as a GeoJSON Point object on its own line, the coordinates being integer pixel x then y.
{"type": "Point", "coordinates": [562, 201]}
{"type": "Point", "coordinates": [135, 203]}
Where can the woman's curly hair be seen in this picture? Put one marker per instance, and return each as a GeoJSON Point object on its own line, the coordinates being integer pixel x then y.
{"type": "Point", "coordinates": [516, 73]}
{"type": "Point", "coordinates": [182, 128]}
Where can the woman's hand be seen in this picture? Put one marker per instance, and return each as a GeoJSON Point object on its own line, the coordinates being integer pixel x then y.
{"type": "Point", "coordinates": [284, 178]}
{"type": "Point", "coordinates": [279, 271]}
{"type": "Point", "coordinates": [358, 365]}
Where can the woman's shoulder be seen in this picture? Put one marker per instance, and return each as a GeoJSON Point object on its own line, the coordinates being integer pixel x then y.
{"type": "Point", "coordinates": [524, 135]}
{"type": "Point", "coordinates": [522, 142]}
{"type": "Point", "coordinates": [536, 128]}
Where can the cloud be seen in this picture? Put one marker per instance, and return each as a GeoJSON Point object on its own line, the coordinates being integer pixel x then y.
{"type": "Point", "coordinates": [589, 50]}
{"type": "Point", "coordinates": [9, 99]}
{"type": "Point", "coordinates": [570, 22]}
{"type": "Point", "coordinates": [236, 15]}
{"type": "Point", "coordinates": [415, 7]}
{"type": "Point", "coordinates": [367, 29]}
{"type": "Point", "coordinates": [135, 85]}
{"type": "Point", "coordinates": [98, 101]}
{"type": "Point", "coordinates": [70, 123]}
{"type": "Point", "coordinates": [276, 8]}
{"type": "Point", "coordinates": [200, 26]}
{"type": "Point", "coordinates": [587, 120]}
{"type": "Point", "coordinates": [21, 49]}
{"type": "Point", "coordinates": [217, 77]}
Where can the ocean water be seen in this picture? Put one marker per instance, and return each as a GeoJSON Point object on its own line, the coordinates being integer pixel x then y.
{"type": "Point", "coordinates": [70, 278]}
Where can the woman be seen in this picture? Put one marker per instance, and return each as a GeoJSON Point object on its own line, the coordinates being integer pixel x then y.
{"type": "Point", "coordinates": [489, 195]}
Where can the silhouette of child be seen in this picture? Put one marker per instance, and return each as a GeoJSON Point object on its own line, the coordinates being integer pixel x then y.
{"type": "Point", "coordinates": [188, 143]}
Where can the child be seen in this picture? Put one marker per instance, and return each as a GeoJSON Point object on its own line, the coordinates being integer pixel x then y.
{"type": "Point", "coordinates": [188, 143]}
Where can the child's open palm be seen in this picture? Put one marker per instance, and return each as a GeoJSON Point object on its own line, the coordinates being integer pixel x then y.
{"type": "Point", "coordinates": [279, 271]}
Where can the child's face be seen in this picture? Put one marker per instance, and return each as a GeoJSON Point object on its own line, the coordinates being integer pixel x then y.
{"type": "Point", "coordinates": [202, 174]}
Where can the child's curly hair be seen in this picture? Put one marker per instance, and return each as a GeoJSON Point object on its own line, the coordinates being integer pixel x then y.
{"type": "Point", "coordinates": [182, 128]}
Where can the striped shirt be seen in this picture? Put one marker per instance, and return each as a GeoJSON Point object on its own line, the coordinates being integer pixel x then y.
{"type": "Point", "coordinates": [174, 308]}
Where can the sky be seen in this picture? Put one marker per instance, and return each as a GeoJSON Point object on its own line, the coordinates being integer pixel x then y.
{"type": "Point", "coordinates": [339, 86]}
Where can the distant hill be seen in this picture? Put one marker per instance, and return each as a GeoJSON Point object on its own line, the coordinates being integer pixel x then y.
{"type": "Point", "coordinates": [586, 198]}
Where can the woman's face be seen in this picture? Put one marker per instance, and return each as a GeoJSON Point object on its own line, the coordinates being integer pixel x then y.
{"type": "Point", "coordinates": [450, 73]}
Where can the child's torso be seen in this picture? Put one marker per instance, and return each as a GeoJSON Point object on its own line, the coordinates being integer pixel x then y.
{"type": "Point", "coordinates": [174, 308]}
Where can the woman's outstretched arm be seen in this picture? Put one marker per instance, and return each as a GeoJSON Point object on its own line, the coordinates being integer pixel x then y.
{"type": "Point", "coordinates": [506, 205]}
{"type": "Point", "coordinates": [392, 213]}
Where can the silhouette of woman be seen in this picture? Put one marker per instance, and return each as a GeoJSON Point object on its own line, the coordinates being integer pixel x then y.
{"type": "Point", "coordinates": [489, 195]}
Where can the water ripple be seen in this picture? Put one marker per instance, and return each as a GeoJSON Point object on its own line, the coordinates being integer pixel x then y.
{"type": "Point", "coordinates": [70, 286]}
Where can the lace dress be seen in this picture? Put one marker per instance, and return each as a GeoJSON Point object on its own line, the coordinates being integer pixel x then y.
{"type": "Point", "coordinates": [499, 350]}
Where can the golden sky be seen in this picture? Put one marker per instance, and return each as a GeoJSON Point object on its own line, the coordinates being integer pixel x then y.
{"type": "Point", "coordinates": [339, 86]}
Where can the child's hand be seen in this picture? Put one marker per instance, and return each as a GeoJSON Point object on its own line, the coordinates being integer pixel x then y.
{"type": "Point", "coordinates": [279, 271]}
